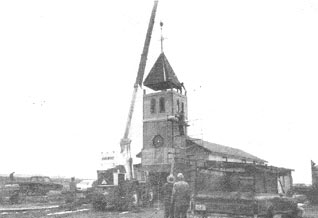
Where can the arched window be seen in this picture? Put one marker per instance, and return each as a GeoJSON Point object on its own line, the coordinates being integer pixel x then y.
{"type": "Point", "coordinates": [153, 106]}
{"type": "Point", "coordinates": [162, 105]}
{"type": "Point", "coordinates": [178, 106]}
{"type": "Point", "coordinates": [182, 107]}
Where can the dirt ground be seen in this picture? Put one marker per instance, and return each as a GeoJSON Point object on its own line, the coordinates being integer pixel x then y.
{"type": "Point", "coordinates": [86, 211]}
{"type": "Point", "coordinates": [311, 211]}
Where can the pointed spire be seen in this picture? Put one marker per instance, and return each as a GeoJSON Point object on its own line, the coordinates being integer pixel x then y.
{"type": "Point", "coordinates": [162, 76]}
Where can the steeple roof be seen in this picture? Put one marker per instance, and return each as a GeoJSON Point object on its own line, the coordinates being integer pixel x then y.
{"type": "Point", "coordinates": [162, 76]}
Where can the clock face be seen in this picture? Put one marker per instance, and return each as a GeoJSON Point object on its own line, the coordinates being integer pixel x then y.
{"type": "Point", "coordinates": [157, 141]}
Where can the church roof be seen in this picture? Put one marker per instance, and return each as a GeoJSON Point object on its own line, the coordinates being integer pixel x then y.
{"type": "Point", "coordinates": [162, 76]}
{"type": "Point", "coordinates": [225, 151]}
{"type": "Point", "coordinates": [221, 150]}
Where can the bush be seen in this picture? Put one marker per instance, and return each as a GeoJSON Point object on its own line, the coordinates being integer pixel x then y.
{"type": "Point", "coordinates": [118, 198]}
{"type": "Point", "coordinates": [105, 199]}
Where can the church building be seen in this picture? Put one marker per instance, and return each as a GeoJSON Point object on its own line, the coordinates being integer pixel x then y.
{"type": "Point", "coordinates": [167, 148]}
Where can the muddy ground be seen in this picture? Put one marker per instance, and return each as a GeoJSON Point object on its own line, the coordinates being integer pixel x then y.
{"type": "Point", "coordinates": [311, 212]}
{"type": "Point", "coordinates": [85, 211]}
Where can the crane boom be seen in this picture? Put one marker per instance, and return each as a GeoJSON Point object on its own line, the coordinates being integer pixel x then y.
{"type": "Point", "coordinates": [143, 59]}
{"type": "Point", "coordinates": [125, 141]}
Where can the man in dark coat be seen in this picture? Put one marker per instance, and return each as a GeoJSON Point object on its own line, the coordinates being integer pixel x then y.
{"type": "Point", "coordinates": [11, 177]}
{"type": "Point", "coordinates": [167, 193]}
{"type": "Point", "coordinates": [72, 193]}
{"type": "Point", "coordinates": [181, 197]}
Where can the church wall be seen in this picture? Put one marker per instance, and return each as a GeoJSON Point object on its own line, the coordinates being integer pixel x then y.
{"type": "Point", "coordinates": [171, 108]}
{"type": "Point", "coordinates": [215, 157]}
{"type": "Point", "coordinates": [157, 123]}
{"type": "Point", "coordinates": [152, 129]}
{"type": "Point", "coordinates": [266, 183]}
{"type": "Point", "coordinates": [286, 181]}
{"type": "Point", "coordinates": [156, 156]}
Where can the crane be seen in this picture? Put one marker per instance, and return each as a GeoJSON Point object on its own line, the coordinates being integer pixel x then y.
{"type": "Point", "coordinates": [126, 141]}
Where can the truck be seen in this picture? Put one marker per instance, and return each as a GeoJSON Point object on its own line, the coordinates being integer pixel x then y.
{"type": "Point", "coordinates": [114, 192]}
{"type": "Point", "coordinates": [223, 190]}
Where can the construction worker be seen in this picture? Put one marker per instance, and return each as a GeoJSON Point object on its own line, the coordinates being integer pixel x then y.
{"type": "Point", "coordinates": [167, 193]}
{"type": "Point", "coordinates": [72, 193]}
{"type": "Point", "coordinates": [181, 122]}
{"type": "Point", "coordinates": [181, 197]}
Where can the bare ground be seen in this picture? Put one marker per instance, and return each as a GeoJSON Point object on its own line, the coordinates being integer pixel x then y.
{"type": "Point", "coordinates": [144, 213]}
{"type": "Point", "coordinates": [85, 211]}
{"type": "Point", "coordinates": [311, 211]}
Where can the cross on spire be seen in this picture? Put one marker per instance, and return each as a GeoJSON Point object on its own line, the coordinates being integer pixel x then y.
{"type": "Point", "coordinates": [161, 75]}
{"type": "Point", "coordinates": [161, 39]}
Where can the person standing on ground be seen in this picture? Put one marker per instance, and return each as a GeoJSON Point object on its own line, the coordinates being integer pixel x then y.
{"type": "Point", "coordinates": [11, 177]}
{"type": "Point", "coordinates": [180, 197]}
{"type": "Point", "coordinates": [167, 194]}
{"type": "Point", "coordinates": [72, 192]}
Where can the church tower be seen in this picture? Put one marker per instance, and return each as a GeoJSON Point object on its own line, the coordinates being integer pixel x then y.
{"type": "Point", "coordinates": [165, 111]}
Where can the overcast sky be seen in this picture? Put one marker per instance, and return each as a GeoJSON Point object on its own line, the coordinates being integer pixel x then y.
{"type": "Point", "coordinates": [67, 70]}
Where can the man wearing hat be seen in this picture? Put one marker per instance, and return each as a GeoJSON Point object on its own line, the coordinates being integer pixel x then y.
{"type": "Point", "coordinates": [181, 197]}
{"type": "Point", "coordinates": [167, 192]}
{"type": "Point", "coordinates": [72, 193]}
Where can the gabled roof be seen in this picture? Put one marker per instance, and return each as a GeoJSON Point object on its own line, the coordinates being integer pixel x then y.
{"type": "Point", "coordinates": [225, 151]}
{"type": "Point", "coordinates": [162, 76]}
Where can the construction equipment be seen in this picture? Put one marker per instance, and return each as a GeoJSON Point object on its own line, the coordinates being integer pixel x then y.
{"type": "Point", "coordinates": [117, 187]}
{"type": "Point", "coordinates": [125, 141]}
